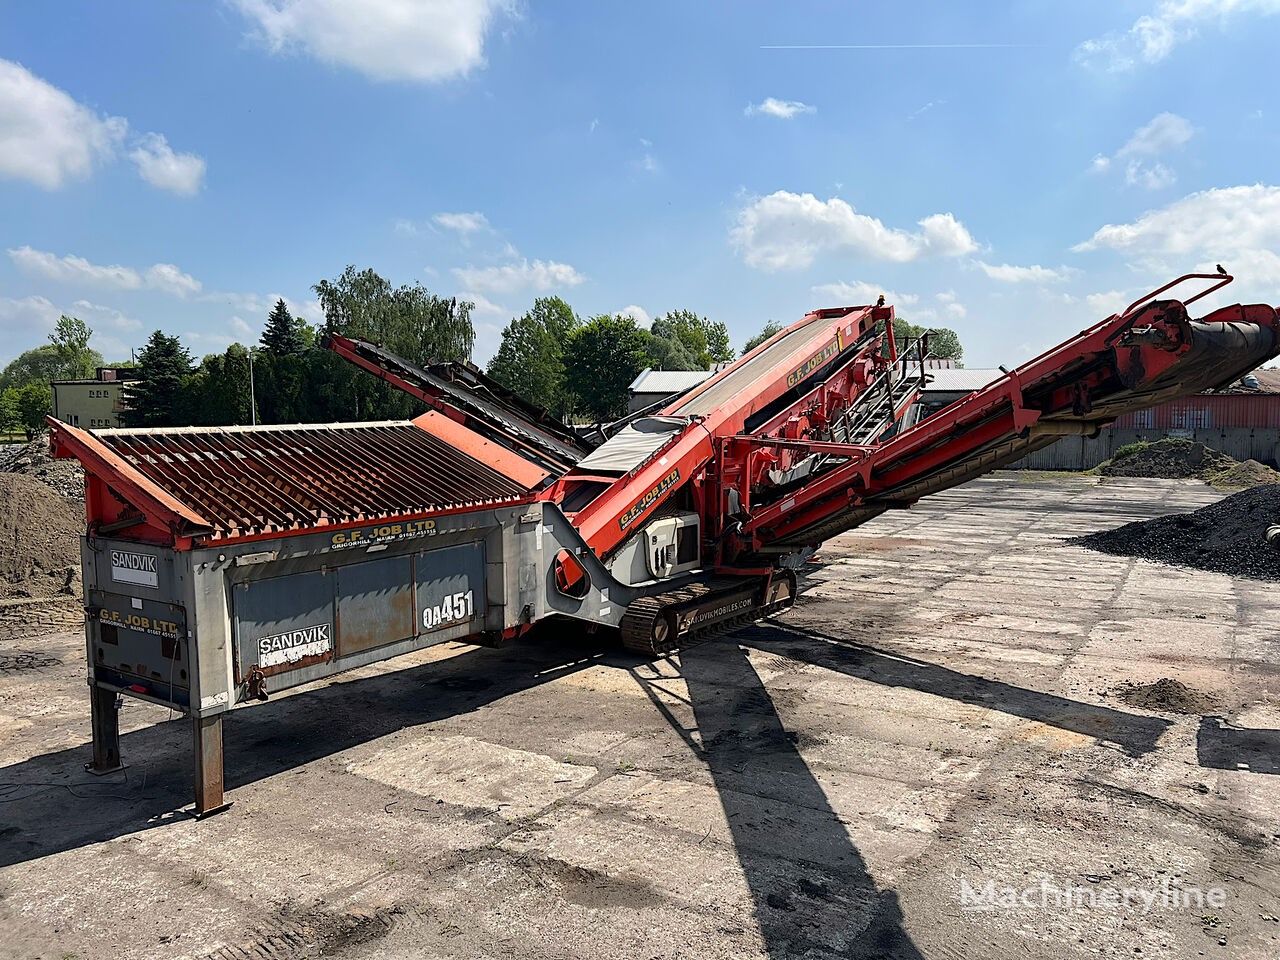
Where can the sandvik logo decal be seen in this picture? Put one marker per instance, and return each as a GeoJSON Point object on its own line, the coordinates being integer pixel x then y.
{"type": "Point", "coordinates": [292, 646]}
{"type": "Point", "coordinates": [129, 567]}
{"type": "Point", "coordinates": [649, 499]}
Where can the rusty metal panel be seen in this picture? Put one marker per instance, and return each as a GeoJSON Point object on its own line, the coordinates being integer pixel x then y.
{"type": "Point", "coordinates": [450, 586]}
{"type": "Point", "coordinates": [1218, 412]}
{"type": "Point", "coordinates": [375, 603]}
{"type": "Point", "coordinates": [249, 481]}
{"type": "Point", "coordinates": [283, 623]}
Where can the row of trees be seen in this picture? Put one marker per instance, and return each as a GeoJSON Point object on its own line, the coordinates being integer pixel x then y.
{"type": "Point", "coordinates": [578, 368]}
{"type": "Point", "coordinates": [583, 368]}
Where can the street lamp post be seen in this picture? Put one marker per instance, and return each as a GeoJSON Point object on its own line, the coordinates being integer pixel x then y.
{"type": "Point", "coordinates": [253, 401]}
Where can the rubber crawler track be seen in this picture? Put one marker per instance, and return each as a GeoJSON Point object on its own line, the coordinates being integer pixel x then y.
{"type": "Point", "coordinates": [648, 625]}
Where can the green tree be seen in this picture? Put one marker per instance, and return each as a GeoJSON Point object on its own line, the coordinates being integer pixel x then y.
{"type": "Point", "coordinates": [408, 320]}
{"type": "Point", "coordinates": [943, 341]}
{"type": "Point", "coordinates": [217, 394]}
{"type": "Point", "coordinates": [283, 332]}
{"type": "Point", "coordinates": [45, 363]}
{"type": "Point", "coordinates": [9, 410]}
{"type": "Point", "coordinates": [603, 356]}
{"type": "Point", "coordinates": [33, 403]}
{"type": "Point", "coordinates": [770, 328]}
{"type": "Point", "coordinates": [530, 358]}
{"type": "Point", "coordinates": [70, 340]}
{"type": "Point", "coordinates": [705, 341]}
{"type": "Point", "coordinates": [161, 397]}
{"type": "Point", "coordinates": [668, 352]}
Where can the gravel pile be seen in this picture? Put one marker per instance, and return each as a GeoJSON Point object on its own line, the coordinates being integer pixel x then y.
{"type": "Point", "coordinates": [1224, 537]}
{"type": "Point", "coordinates": [33, 460]}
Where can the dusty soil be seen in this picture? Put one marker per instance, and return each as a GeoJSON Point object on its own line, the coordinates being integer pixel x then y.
{"type": "Point", "coordinates": [33, 460]}
{"type": "Point", "coordinates": [1224, 537]}
{"type": "Point", "coordinates": [1166, 696]}
{"type": "Point", "coordinates": [1249, 473]}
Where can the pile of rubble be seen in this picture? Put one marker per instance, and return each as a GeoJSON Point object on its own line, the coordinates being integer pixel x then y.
{"type": "Point", "coordinates": [1225, 537]}
{"type": "Point", "coordinates": [1173, 459]}
{"type": "Point", "coordinates": [39, 540]}
{"type": "Point", "coordinates": [33, 460]}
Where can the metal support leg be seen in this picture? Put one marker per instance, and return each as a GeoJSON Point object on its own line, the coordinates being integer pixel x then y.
{"type": "Point", "coordinates": [106, 731]}
{"type": "Point", "coordinates": [207, 733]}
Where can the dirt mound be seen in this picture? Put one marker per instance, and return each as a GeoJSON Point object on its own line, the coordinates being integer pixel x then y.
{"type": "Point", "coordinates": [1250, 473]}
{"type": "Point", "coordinates": [33, 460]}
{"type": "Point", "coordinates": [1167, 696]}
{"type": "Point", "coordinates": [1167, 459]}
{"type": "Point", "coordinates": [39, 540]}
{"type": "Point", "coordinates": [1224, 537]}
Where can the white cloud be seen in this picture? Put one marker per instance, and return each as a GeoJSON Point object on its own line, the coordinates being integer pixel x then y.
{"type": "Point", "coordinates": [947, 296]}
{"type": "Point", "coordinates": [19, 316]}
{"type": "Point", "coordinates": [1226, 218]}
{"type": "Point", "coordinates": [956, 311]}
{"type": "Point", "coordinates": [260, 305]}
{"type": "Point", "coordinates": [788, 231]}
{"type": "Point", "coordinates": [169, 279]}
{"type": "Point", "coordinates": [483, 306]}
{"type": "Point", "coordinates": [1153, 36]}
{"type": "Point", "coordinates": [78, 271]}
{"type": "Point", "coordinates": [1165, 132]}
{"type": "Point", "coordinates": [46, 137]}
{"type": "Point", "coordinates": [463, 224]}
{"type": "Point", "coordinates": [1105, 304]}
{"type": "Point", "coordinates": [94, 313]}
{"type": "Point", "coordinates": [180, 173]}
{"type": "Point", "coordinates": [424, 41]}
{"type": "Point", "coordinates": [782, 109]}
{"type": "Point", "coordinates": [520, 275]}
{"type": "Point", "coordinates": [1007, 273]}
{"type": "Point", "coordinates": [1153, 177]}
{"type": "Point", "coordinates": [860, 293]}
{"type": "Point", "coordinates": [639, 314]}
{"type": "Point", "coordinates": [1236, 226]}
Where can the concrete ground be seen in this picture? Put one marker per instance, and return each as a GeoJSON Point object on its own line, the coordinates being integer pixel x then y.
{"type": "Point", "coordinates": [937, 712]}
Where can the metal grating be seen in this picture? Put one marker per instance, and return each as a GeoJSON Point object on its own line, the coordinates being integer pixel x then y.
{"type": "Point", "coordinates": [253, 480]}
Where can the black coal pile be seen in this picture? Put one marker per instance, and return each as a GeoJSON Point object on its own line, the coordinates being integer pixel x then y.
{"type": "Point", "coordinates": [1224, 537]}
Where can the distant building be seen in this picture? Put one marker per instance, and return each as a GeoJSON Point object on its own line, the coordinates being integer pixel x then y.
{"type": "Point", "coordinates": [95, 404]}
{"type": "Point", "coordinates": [652, 386]}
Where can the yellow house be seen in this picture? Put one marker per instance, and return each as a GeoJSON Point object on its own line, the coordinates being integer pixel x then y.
{"type": "Point", "coordinates": [94, 404]}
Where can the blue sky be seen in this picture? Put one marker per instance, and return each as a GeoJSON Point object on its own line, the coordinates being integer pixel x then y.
{"type": "Point", "coordinates": [1015, 171]}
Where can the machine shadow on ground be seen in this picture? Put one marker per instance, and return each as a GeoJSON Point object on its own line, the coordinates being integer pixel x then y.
{"type": "Point", "coordinates": [1133, 733]}
{"type": "Point", "coordinates": [1223, 746]}
{"type": "Point", "coordinates": [44, 799]}
{"type": "Point", "coordinates": [810, 887]}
